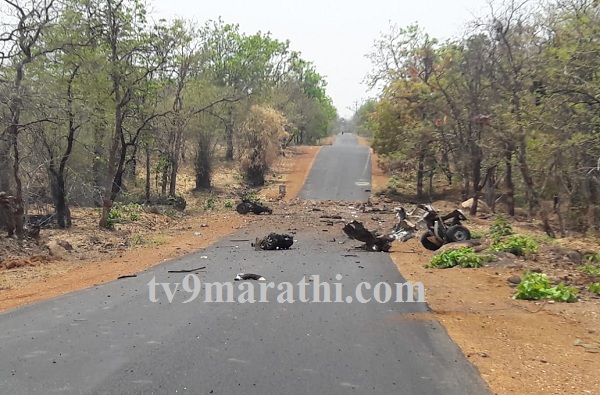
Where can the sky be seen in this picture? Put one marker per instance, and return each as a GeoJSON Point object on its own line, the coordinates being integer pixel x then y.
{"type": "Point", "coordinates": [333, 34]}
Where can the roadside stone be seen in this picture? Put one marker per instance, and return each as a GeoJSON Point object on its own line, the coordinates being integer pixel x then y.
{"type": "Point", "coordinates": [572, 255]}
{"type": "Point", "coordinates": [501, 262]}
{"type": "Point", "coordinates": [65, 244]}
{"type": "Point", "coordinates": [459, 245]}
{"type": "Point", "coordinates": [481, 205]}
{"type": "Point", "coordinates": [503, 255]}
{"type": "Point", "coordinates": [514, 279]}
{"type": "Point", "coordinates": [56, 250]}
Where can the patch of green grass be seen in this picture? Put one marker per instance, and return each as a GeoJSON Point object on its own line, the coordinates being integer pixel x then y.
{"type": "Point", "coordinates": [595, 288]}
{"type": "Point", "coordinates": [463, 257]}
{"type": "Point", "coordinates": [228, 204]}
{"type": "Point", "coordinates": [137, 239]}
{"type": "Point", "coordinates": [536, 286]}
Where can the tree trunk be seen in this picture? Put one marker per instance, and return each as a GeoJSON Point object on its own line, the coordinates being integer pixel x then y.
{"type": "Point", "coordinates": [476, 157]}
{"type": "Point", "coordinates": [147, 189]}
{"type": "Point", "coordinates": [420, 174]}
{"type": "Point", "coordinates": [203, 163]}
{"type": "Point", "coordinates": [111, 171]}
{"type": "Point", "coordinates": [229, 136]}
{"type": "Point", "coordinates": [445, 166]}
{"type": "Point", "coordinates": [164, 181]}
{"type": "Point", "coordinates": [534, 201]}
{"type": "Point", "coordinates": [61, 209]}
{"type": "Point", "coordinates": [19, 209]}
{"type": "Point", "coordinates": [173, 177]}
{"type": "Point", "coordinates": [5, 164]}
{"type": "Point", "coordinates": [510, 186]}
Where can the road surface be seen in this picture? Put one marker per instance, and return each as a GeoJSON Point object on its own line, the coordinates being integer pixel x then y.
{"type": "Point", "coordinates": [341, 171]}
{"type": "Point", "coordinates": [112, 339]}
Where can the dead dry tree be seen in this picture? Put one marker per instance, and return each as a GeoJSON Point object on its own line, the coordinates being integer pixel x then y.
{"type": "Point", "coordinates": [260, 142]}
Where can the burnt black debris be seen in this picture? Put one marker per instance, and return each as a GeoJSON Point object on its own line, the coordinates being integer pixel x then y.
{"type": "Point", "coordinates": [249, 276]}
{"type": "Point", "coordinates": [373, 242]}
{"type": "Point", "coordinates": [252, 206]}
{"type": "Point", "coordinates": [274, 241]}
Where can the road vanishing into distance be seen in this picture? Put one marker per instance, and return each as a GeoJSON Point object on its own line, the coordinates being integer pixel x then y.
{"type": "Point", "coordinates": [112, 339]}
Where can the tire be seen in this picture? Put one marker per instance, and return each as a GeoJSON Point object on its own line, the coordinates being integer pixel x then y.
{"type": "Point", "coordinates": [428, 244]}
{"type": "Point", "coordinates": [242, 208]}
{"type": "Point", "coordinates": [458, 233]}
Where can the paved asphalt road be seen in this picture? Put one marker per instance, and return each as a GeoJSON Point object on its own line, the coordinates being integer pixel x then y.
{"type": "Point", "coordinates": [342, 171]}
{"type": "Point", "coordinates": [112, 339]}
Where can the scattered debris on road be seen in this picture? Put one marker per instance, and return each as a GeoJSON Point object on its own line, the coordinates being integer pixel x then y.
{"type": "Point", "coordinates": [273, 241]}
{"type": "Point", "coordinates": [249, 276]}
{"type": "Point", "coordinates": [373, 242]}
{"type": "Point", "coordinates": [186, 270]}
{"type": "Point", "coordinates": [249, 205]}
{"type": "Point", "coordinates": [127, 276]}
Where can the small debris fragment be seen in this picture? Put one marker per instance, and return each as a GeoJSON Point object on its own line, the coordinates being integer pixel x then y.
{"type": "Point", "coordinates": [186, 270]}
{"type": "Point", "coordinates": [127, 276]}
{"type": "Point", "coordinates": [273, 241]}
{"type": "Point", "coordinates": [249, 276]}
{"type": "Point", "coordinates": [373, 241]}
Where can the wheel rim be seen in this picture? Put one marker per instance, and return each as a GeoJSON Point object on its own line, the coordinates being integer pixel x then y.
{"type": "Point", "coordinates": [460, 235]}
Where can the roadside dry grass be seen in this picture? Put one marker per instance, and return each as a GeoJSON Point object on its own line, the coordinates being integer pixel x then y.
{"type": "Point", "coordinates": [100, 256]}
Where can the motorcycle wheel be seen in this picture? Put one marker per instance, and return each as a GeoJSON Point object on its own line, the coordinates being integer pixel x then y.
{"type": "Point", "coordinates": [458, 233]}
{"type": "Point", "coordinates": [242, 208]}
{"type": "Point", "coordinates": [428, 244]}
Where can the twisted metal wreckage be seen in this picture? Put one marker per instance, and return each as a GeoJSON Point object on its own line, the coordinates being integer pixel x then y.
{"type": "Point", "coordinates": [438, 229]}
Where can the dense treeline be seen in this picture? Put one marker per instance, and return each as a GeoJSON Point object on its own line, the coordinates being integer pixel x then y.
{"type": "Point", "coordinates": [94, 94]}
{"type": "Point", "coordinates": [510, 112]}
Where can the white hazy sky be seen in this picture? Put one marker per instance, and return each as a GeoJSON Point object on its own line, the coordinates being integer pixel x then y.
{"type": "Point", "coordinates": [333, 34]}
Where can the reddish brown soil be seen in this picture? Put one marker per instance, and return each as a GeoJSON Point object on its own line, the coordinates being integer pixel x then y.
{"type": "Point", "coordinates": [29, 274]}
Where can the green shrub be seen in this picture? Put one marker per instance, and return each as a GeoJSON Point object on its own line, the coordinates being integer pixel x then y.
{"type": "Point", "coordinates": [463, 257]}
{"type": "Point", "coordinates": [592, 257]}
{"type": "Point", "coordinates": [518, 245]}
{"type": "Point", "coordinates": [536, 286]}
{"type": "Point", "coordinates": [394, 184]}
{"type": "Point", "coordinates": [210, 203]}
{"type": "Point", "coordinates": [500, 228]}
{"type": "Point", "coordinates": [228, 204]}
{"type": "Point", "coordinates": [595, 288]}
{"type": "Point", "coordinates": [114, 216]}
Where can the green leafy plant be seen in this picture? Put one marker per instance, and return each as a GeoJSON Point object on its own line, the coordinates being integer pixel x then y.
{"type": "Point", "coordinates": [210, 203]}
{"type": "Point", "coordinates": [595, 288]}
{"type": "Point", "coordinates": [589, 268]}
{"type": "Point", "coordinates": [500, 228]}
{"type": "Point", "coordinates": [592, 257]}
{"type": "Point", "coordinates": [518, 245]}
{"type": "Point", "coordinates": [536, 286]}
{"type": "Point", "coordinates": [252, 197]}
{"type": "Point", "coordinates": [114, 216]}
{"type": "Point", "coordinates": [463, 257]}
{"type": "Point", "coordinates": [228, 204]}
